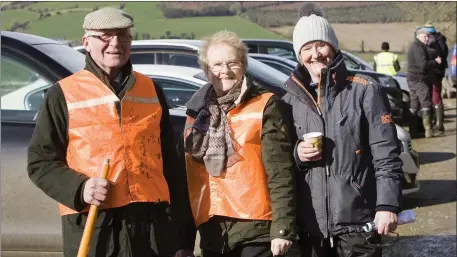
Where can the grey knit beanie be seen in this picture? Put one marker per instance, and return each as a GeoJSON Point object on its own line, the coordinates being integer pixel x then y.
{"type": "Point", "coordinates": [312, 27]}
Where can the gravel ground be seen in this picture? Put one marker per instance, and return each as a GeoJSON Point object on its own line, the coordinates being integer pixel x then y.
{"type": "Point", "coordinates": [434, 232]}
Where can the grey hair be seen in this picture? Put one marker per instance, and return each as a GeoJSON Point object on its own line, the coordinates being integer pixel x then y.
{"type": "Point", "coordinates": [223, 37]}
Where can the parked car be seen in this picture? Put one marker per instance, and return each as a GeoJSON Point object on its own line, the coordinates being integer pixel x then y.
{"type": "Point", "coordinates": [408, 155]}
{"type": "Point", "coordinates": [390, 86]}
{"type": "Point", "coordinates": [184, 53]}
{"type": "Point", "coordinates": [285, 49]}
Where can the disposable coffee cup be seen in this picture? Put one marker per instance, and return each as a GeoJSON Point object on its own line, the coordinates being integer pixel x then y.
{"type": "Point", "coordinates": [314, 138]}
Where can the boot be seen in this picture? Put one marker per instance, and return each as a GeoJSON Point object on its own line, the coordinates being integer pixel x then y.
{"type": "Point", "coordinates": [439, 113]}
{"type": "Point", "coordinates": [427, 121]}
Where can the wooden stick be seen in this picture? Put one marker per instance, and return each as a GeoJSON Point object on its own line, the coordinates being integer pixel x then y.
{"type": "Point", "coordinates": [84, 246]}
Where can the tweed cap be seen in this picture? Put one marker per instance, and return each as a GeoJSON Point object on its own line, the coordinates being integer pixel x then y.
{"type": "Point", "coordinates": [107, 18]}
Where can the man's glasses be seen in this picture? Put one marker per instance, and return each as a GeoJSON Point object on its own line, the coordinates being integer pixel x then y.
{"type": "Point", "coordinates": [230, 65]}
{"type": "Point", "coordinates": [106, 37]}
{"type": "Point", "coordinates": [382, 240]}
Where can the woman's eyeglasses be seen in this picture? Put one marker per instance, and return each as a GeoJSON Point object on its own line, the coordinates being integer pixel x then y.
{"type": "Point", "coordinates": [230, 65]}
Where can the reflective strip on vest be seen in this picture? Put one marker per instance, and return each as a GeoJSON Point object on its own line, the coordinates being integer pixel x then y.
{"type": "Point", "coordinates": [142, 100]}
{"type": "Point", "coordinates": [130, 138]}
{"type": "Point", "coordinates": [242, 191]}
{"type": "Point", "coordinates": [385, 63]}
{"type": "Point", "coordinates": [92, 102]}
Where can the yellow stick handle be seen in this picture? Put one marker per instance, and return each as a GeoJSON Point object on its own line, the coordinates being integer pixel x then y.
{"type": "Point", "coordinates": [91, 217]}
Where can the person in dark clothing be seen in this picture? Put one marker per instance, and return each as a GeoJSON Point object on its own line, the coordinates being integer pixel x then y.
{"type": "Point", "coordinates": [356, 177]}
{"type": "Point", "coordinates": [437, 46]}
{"type": "Point", "coordinates": [419, 76]}
{"type": "Point", "coordinates": [108, 110]}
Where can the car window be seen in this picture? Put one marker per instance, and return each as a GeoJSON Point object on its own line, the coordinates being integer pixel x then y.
{"type": "Point", "coordinates": [22, 88]}
{"type": "Point", "coordinates": [279, 67]}
{"type": "Point", "coordinates": [253, 48]}
{"type": "Point", "coordinates": [350, 63]}
{"type": "Point", "coordinates": [142, 58]}
{"type": "Point", "coordinates": [176, 93]}
{"type": "Point", "coordinates": [281, 52]}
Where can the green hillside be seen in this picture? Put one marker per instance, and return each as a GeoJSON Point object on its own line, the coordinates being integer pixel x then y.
{"type": "Point", "coordinates": [64, 20]}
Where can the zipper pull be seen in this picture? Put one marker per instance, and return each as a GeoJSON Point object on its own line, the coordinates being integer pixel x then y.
{"type": "Point", "coordinates": [327, 170]}
{"type": "Point", "coordinates": [331, 242]}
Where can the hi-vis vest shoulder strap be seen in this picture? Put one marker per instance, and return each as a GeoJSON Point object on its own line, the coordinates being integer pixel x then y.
{"type": "Point", "coordinates": [241, 191]}
{"type": "Point", "coordinates": [385, 63]}
{"type": "Point", "coordinates": [129, 137]}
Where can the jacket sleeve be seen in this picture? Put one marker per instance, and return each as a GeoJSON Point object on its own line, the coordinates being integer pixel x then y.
{"type": "Point", "coordinates": [175, 174]}
{"type": "Point", "coordinates": [47, 166]}
{"type": "Point", "coordinates": [384, 145]}
{"type": "Point", "coordinates": [420, 57]}
{"type": "Point", "coordinates": [397, 65]}
{"type": "Point", "coordinates": [279, 165]}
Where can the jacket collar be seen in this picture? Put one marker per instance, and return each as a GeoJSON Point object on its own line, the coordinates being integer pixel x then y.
{"type": "Point", "coordinates": [335, 78]}
{"type": "Point", "coordinates": [124, 75]}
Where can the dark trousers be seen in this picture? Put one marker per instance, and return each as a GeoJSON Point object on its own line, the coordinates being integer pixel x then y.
{"type": "Point", "coordinates": [420, 94]}
{"type": "Point", "coordinates": [346, 245]}
{"type": "Point", "coordinates": [247, 250]}
{"type": "Point", "coordinates": [135, 230]}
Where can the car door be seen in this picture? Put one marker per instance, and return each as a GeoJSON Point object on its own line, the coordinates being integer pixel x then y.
{"type": "Point", "coordinates": [30, 219]}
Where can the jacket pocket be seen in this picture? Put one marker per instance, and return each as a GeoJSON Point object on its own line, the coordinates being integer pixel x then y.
{"type": "Point", "coordinates": [347, 202]}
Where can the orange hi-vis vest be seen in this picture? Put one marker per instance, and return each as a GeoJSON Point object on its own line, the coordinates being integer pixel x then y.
{"type": "Point", "coordinates": [241, 191]}
{"type": "Point", "coordinates": [131, 141]}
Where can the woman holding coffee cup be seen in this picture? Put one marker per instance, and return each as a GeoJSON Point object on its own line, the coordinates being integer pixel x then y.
{"type": "Point", "coordinates": [347, 150]}
{"type": "Point", "coordinates": [239, 158]}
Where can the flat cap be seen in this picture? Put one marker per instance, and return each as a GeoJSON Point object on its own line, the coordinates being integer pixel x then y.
{"type": "Point", "coordinates": [422, 31]}
{"type": "Point", "coordinates": [107, 18]}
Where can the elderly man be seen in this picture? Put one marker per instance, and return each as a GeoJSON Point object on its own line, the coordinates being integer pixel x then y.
{"type": "Point", "coordinates": [420, 68]}
{"type": "Point", "coordinates": [110, 111]}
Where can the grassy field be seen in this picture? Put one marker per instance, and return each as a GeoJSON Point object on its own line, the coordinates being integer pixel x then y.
{"type": "Point", "coordinates": [148, 19]}
{"type": "Point", "coordinates": [399, 35]}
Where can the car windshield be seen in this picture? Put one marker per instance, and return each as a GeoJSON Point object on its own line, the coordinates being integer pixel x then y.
{"type": "Point", "coordinates": [68, 57]}
{"type": "Point", "coordinates": [359, 60]}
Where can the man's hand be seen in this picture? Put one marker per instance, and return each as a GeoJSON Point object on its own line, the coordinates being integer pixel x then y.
{"type": "Point", "coordinates": [307, 153]}
{"type": "Point", "coordinates": [438, 59]}
{"type": "Point", "coordinates": [184, 253]}
{"type": "Point", "coordinates": [387, 222]}
{"type": "Point", "coordinates": [95, 191]}
{"type": "Point", "coordinates": [280, 246]}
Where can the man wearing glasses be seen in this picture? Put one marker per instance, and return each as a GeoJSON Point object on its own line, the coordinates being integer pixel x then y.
{"type": "Point", "coordinates": [110, 111]}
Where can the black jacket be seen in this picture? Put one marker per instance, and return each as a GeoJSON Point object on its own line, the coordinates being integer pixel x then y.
{"type": "Point", "coordinates": [361, 170]}
{"type": "Point", "coordinates": [222, 234]}
{"type": "Point", "coordinates": [437, 47]}
{"type": "Point", "coordinates": [420, 66]}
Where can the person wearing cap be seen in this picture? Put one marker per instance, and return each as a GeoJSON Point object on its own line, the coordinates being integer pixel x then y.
{"type": "Point", "coordinates": [356, 176]}
{"type": "Point", "coordinates": [386, 62]}
{"type": "Point", "coordinates": [421, 71]}
{"type": "Point", "coordinates": [107, 110]}
{"type": "Point", "coordinates": [436, 46]}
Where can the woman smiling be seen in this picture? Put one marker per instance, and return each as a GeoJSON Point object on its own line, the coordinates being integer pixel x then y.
{"type": "Point", "coordinates": [238, 158]}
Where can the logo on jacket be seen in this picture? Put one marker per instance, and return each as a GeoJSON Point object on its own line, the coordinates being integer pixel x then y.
{"type": "Point", "coordinates": [386, 118]}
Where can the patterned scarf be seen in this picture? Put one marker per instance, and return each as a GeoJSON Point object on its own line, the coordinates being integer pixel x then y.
{"type": "Point", "coordinates": [211, 141]}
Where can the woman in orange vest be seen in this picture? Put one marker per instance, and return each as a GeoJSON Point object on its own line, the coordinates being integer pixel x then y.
{"type": "Point", "coordinates": [239, 158]}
